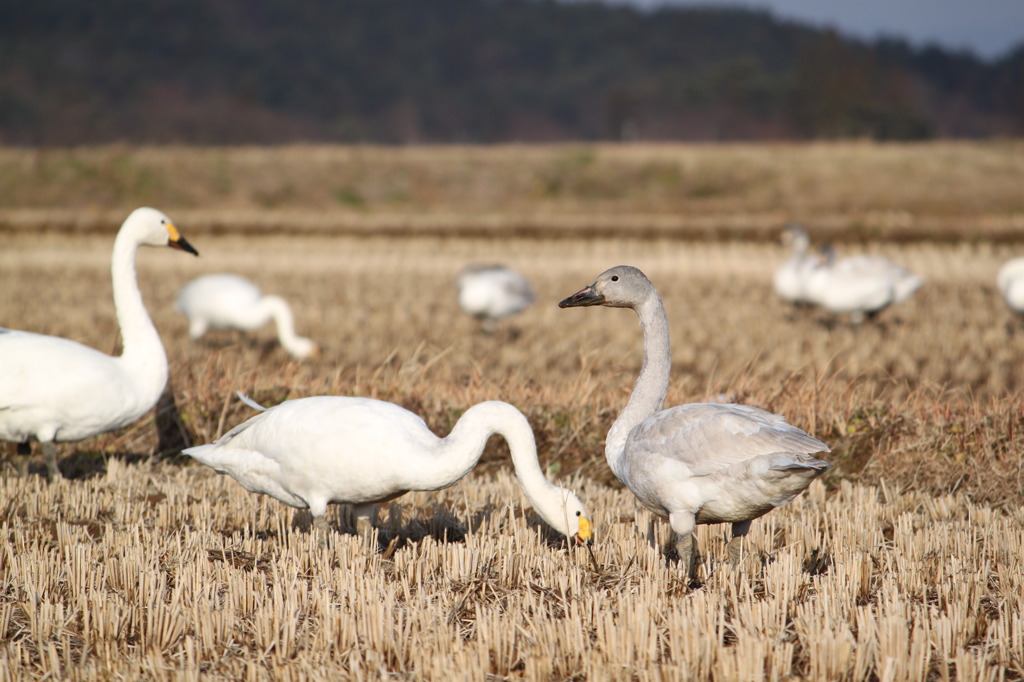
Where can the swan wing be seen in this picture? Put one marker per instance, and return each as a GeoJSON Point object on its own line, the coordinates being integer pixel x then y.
{"type": "Point", "coordinates": [707, 438]}
{"type": "Point", "coordinates": [879, 269]}
{"type": "Point", "coordinates": [840, 290]}
{"type": "Point", "coordinates": [223, 300]}
{"type": "Point", "coordinates": [52, 387]}
{"type": "Point", "coordinates": [493, 291]}
{"type": "Point", "coordinates": [328, 448]}
{"type": "Point", "coordinates": [516, 286]}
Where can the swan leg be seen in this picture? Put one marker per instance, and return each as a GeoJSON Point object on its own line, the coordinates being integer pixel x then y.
{"type": "Point", "coordinates": [322, 529]}
{"type": "Point", "coordinates": [196, 327]}
{"type": "Point", "coordinates": [739, 530]}
{"type": "Point", "coordinates": [366, 520]}
{"type": "Point", "coordinates": [683, 525]}
{"type": "Point", "coordinates": [50, 454]}
{"type": "Point", "coordinates": [18, 454]}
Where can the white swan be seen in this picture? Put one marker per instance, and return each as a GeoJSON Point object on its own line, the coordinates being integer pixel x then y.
{"type": "Point", "coordinates": [697, 463]}
{"type": "Point", "coordinates": [226, 301]}
{"type": "Point", "coordinates": [53, 389]}
{"type": "Point", "coordinates": [861, 286]}
{"type": "Point", "coordinates": [790, 279]}
{"type": "Point", "coordinates": [492, 292]}
{"type": "Point", "coordinates": [1010, 281]}
{"type": "Point", "coordinates": [311, 452]}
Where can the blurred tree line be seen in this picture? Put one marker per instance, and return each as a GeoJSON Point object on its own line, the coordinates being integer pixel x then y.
{"type": "Point", "coordinates": [401, 71]}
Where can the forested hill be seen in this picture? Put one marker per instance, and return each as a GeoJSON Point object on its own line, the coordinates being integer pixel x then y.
{"type": "Point", "coordinates": [398, 71]}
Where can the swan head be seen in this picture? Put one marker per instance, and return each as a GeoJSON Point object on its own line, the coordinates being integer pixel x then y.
{"type": "Point", "coordinates": [153, 228]}
{"type": "Point", "coordinates": [795, 237]}
{"type": "Point", "coordinates": [573, 521]}
{"type": "Point", "coordinates": [301, 348]}
{"type": "Point", "coordinates": [620, 287]}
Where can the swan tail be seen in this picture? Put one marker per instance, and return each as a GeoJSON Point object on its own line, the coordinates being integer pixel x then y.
{"type": "Point", "coordinates": [250, 402]}
{"type": "Point", "coordinates": [801, 463]}
{"type": "Point", "coordinates": [204, 454]}
{"type": "Point", "coordinates": [222, 460]}
{"type": "Point", "coordinates": [906, 286]}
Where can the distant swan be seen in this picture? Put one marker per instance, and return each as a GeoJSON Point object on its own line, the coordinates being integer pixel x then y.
{"type": "Point", "coordinates": [790, 278]}
{"type": "Point", "coordinates": [1010, 281]}
{"type": "Point", "coordinates": [311, 452]}
{"type": "Point", "coordinates": [698, 463]}
{"type": "Point", "coordinates": [226, 301]}
{"type": "Point", "coordinates": [492, 292]}
{"type": "Point", "coordinates": [53, 389]}
{"type": "Point", "coordinates": [861, 286]}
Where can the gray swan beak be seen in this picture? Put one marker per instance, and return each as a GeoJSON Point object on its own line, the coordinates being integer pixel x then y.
{"type": "Point", "coordinates": [583, 297]}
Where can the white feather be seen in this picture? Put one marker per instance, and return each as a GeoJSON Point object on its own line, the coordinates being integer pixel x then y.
{"type": "Point", "coordinates": [312, 452]}
{"type": "Point", "coordinates": [493, 292]}
{"type": "Point", "coordinates": [227, 301]}
{"type": "Point", "coordinates": [1010, 281]}
{"type": "Point", "coordinates": [54, 389]}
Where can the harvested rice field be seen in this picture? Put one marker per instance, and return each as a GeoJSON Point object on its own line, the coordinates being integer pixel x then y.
{"type": "Point", "coordinates": [903, 563]}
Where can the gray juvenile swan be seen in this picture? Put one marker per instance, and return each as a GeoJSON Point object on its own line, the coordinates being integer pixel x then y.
{"type": "Point", "coordinates": [698, 463]}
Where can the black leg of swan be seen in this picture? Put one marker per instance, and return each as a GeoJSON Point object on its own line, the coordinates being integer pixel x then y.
{"type": "Point", "coordinates": [683, 525]}
{"type": "Point", "coordinates": [366, 521]}
{"type": "Point", "coordinates": [322, 529]}
{"type": "Point", "coordinates": [739, 530]}
{"type": "Point", "coordinates": [50, 454]}
{"type": "Point", "coordinates": [684, 548]}
{"type": "Point", "coordinates": [21, 462]}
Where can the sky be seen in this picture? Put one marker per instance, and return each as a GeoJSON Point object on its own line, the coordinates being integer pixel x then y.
{"type": "Point", "coordinates": [989, 28]}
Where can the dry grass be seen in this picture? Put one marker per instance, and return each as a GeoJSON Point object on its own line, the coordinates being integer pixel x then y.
{"type": "Point", "coordinates": [905, 563]}
{"type": "Point", "coordinates": [156, 571]}
{"type": "Point", "coordinates": [934, 191]}
{"type": "Point", "coordinates": [930, 396]}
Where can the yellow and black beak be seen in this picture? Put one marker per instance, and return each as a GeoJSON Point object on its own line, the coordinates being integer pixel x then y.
{"type": "Point", "coordinates": [582, 298]}
{"type": "Point", "coordinates": [176, 241]}
{"type": "Point", "coordinates": [585, 535]}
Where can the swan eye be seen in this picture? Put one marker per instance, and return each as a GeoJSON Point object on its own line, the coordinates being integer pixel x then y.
{"type": "Point", "coordinates": [579, 513]}
{"type": "Point", "coordinates": [615, 278]}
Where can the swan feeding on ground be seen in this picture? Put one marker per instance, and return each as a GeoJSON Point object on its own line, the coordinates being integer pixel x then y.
{"type": "Point", "coordinates": [311, 452]}
{"type": "Point", "coordinates": [53, 389]}
{"type": "Point", "coordinates": [699, 463]}
{"type": "Point", "coordinates": [1010, 281]}
{"type": "Point", "coordinates": [227, 301]}
{"type": "Point", "coordinates": [493, 292]}
{"type": "Point", "coordinates": [861, 286]}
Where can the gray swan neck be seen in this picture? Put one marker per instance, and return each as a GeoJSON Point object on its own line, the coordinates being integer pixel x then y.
{"type": "Point", "coordinates": [651, 387]}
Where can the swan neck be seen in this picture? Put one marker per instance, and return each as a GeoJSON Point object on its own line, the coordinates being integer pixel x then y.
{"type": "Point", "coordinates": [468, 438]}
{"type": "Point", "coordinates": [800, 247]}
{"type": "Point", "coordinates": [651, 387]}
{"type": "Point", "coordinates": [283, 319]}
{"type": "Point", "coordinates": [143, 353]}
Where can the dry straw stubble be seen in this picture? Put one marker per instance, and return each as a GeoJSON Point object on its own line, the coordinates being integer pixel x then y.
{"type": "Point", "coordinates": [903, 564]}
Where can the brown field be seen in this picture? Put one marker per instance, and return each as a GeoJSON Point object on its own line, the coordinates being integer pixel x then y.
{"type": "Point", "coordinates": [904, 563]}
